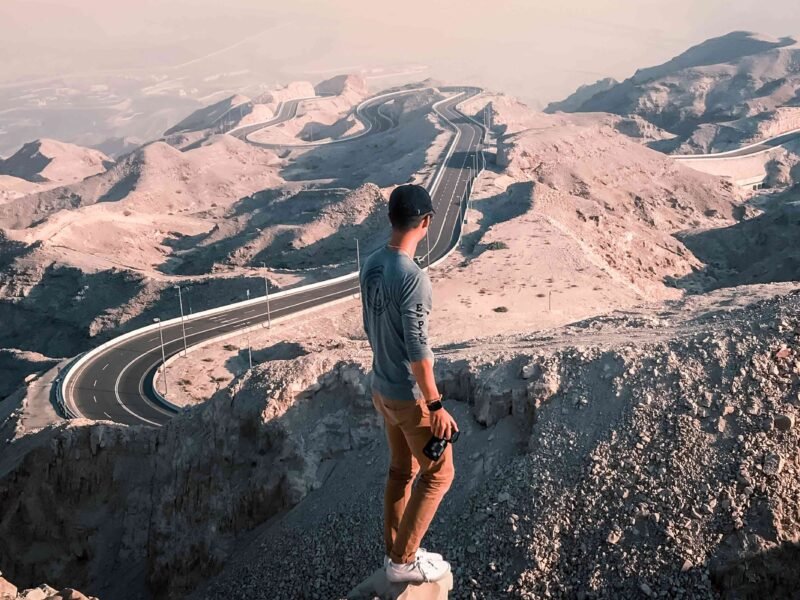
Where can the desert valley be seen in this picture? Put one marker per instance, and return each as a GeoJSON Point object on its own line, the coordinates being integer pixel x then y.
{"type": "Point", "coordinates": [616, 318]}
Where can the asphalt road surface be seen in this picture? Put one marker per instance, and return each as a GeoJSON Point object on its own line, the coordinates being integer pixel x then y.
{"type": "Point", "coordinates": [117, 384]}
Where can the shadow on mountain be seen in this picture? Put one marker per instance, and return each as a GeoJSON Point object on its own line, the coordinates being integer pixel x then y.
{"type": "Point", "coordinates": [514, 202]}
{"type": "Point", "coordinates": [240, 240]}
{"type": "Point", "coordinates": [314, 131]}
{"type": "Point", "coordinates": [10, 250]}
{"type": "Point", "coordinates": [121, 188]}
{"type": "Point", "coordinates": [336, 248]}
{"type": "Point", "coordinates": [66, 304]}
{"type": "Point", "coordinates": [461, 160]}
{"type": "Point", "coordinates": [770, 574]}
{"type": "Point", "coordinates": [760, 250]}
{"type": "Point", "coordinates": [279, 351]}
{"type": "Point", "coordinates": [306, 230]}
{"type": "Point", "coordinates": [16, 366]}
{"type": "Point", "coordinates": [385, 158]}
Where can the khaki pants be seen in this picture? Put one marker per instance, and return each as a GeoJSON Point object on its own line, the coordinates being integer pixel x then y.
{"type": "Point", "coordinates": [407, 513]}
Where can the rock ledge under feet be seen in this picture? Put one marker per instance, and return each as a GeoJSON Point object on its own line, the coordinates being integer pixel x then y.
{"type": "Point", "coordinates": [377, 586]}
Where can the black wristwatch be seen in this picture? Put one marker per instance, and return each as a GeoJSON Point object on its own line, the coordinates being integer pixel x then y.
{"type": "Point", "coordinates": [436, 404]}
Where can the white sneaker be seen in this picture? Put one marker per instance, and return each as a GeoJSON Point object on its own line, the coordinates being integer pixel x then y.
{"type": "Point", "coordinates": [422, 569]}
{"type": "Point", "coordinates": [421, 553]}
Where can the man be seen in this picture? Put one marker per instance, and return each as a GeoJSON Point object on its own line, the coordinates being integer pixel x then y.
{"type": "Point", "coordinates": [397, 301]}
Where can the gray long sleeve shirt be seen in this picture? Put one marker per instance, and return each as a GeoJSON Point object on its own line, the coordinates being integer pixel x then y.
{"type": "Point", "coordinates": [396, 303]}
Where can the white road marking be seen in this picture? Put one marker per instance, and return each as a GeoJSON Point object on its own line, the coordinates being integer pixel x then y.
{"type": "Point", "coordinates": [95, 383]}
{"type": "Point", "coordinates": [108, 415]}
{"type": "Point", "coordinates": [104, 368]}
{"type": "Point", "coordinates": [95, 399]}
{"type": "Point", "coordinates": [119, 399]}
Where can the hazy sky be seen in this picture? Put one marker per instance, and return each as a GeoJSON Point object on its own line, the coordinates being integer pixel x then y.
{"type": "Point", "coordinates": [537, 50]}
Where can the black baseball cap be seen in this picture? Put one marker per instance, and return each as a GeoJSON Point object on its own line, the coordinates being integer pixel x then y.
{"type": "Point", "coordinates": [410, 200]}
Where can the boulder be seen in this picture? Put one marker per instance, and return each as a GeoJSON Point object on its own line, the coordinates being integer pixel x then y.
{"type": "Point", "coordinates": [377, 586]}
{"type": "Point", "coordinates": [37, 593]}
{"type": "Point", "coordinates": [7, 589]}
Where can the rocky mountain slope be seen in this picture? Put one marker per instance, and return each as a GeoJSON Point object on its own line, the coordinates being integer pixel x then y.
{"type": "Point", "coordinates": [716, 95]}
{"type": "Point", "coordinates": [620, 202]}
{"type": "Point", "coordinates": [44, 164]}
{"type": "Point", "coordinates": [655, 450]}
{"type": "Point", "coordinates": [575, 100]}
{"type": "Point", "coordinates": [51, 161]}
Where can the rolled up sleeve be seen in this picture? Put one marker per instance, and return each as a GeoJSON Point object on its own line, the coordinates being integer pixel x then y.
{"type": "Point", "coordinates": [416, 302]}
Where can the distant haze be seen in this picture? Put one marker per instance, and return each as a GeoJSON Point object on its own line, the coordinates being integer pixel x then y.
{"type": "Point", "coordinates": [539, 51]}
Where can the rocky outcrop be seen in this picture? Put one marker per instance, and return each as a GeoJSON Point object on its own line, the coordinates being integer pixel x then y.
{"type": "Point", "coordinates": [171, 500]}
{"type": "Point", "coordinates": [725, 78]}
{"type": "Point", "coordinates": [655, 457]}
{"type": "Point", "coordinates": [46, 160]}
{"type": "Point", "coordinates": [342, 84]}
{"type": "Point", "coordinates": [638, 455]}
{"type": "Point", "coordinates": [292, 90]}
{"type": "Point", "coordinates": [622, 203]}
{"type": "Point", "coordinates": [574, 101]}
{"type": "Point", "coordinates": [8, 591]}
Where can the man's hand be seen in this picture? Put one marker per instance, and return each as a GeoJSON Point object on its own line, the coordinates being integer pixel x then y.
{"type": "Point", "coordinates": [443, 424]}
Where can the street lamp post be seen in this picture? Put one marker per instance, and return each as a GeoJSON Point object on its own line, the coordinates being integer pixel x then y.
{"type": "Point", "coordinates": [428, 242]}
{"type": "Point", "coordinates": [266, 289]}
{"type": "Point", "coordinates": [358, 265]}
{"type": "Point", "coordinates": [183, 323]}
{"type": "Point", "coordinates": [189, 299]}
{"type": "Point", "coordinates": [247, 334]}
{"type": "Point", "coordinates": [461, 224]}
{"type": "Point", "coordinates": [163, 355]}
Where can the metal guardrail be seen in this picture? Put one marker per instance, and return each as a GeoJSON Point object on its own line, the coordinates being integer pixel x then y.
{"type": "Point", "coordinates": [61, 405]}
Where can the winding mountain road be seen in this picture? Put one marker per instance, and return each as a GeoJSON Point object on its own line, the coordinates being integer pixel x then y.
{"type": "Point", "coordinates": [116, 382]}
{"type": "Point", "coordinates": [286, 112]}
{"type": "Point", "coordinates": [748, 150]}
{"type": "Point", "coordinates": [368, 112]}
